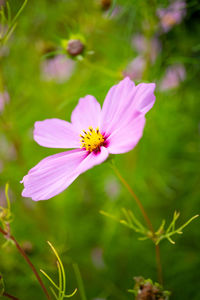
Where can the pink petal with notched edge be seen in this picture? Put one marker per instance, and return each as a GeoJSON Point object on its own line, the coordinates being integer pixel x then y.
{"type": "Point", "coordinates": [116, 100]}
{"type": "Point", "coordinates": [126, 138]}
{"type": "Point", "coordinates": [52, 175]}
{"type": "Point", "coordinates": [123, 103]}
{"type": "Point", "coordinates": [144, 97]}
{"type": "Point", "coordinates": [128, 106]}
{"type": "Point", "coordinates": [55, 173]}
{"type": "Point", "coordinates": [56, 133]}
{"type": "Point", "coordinates": [86, 114]}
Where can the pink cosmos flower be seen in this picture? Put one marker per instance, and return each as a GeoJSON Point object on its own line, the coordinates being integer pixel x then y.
{"type": "Point", "coordinates": [93, 132]}
{"type": "Point", "coordinates": [135, 68]}
{"type": "Point", "coordinates": [140, 43]}
{"type": "Point", "coordinates": [58, 68]}
{"type": "Point", "coordinates": [173, 77]}
{"type": "Point", "coordinates": [172, 15]}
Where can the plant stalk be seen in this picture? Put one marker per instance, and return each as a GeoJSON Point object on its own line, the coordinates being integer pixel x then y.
{"type": "Point", "coordinates": [9, 296]}
{"type": "Point", "coordinates": [22, 252]}
{"type": "Point", "coordinates": [146, 218]}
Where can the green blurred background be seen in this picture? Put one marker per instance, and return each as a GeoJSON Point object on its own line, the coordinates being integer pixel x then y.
{"type": "Point", "coordinates": [163, 169]}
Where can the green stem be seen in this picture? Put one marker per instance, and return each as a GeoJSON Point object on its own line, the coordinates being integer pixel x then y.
{"type": "Point", "coordinates": [80, 282]}
{"type": "Point", "coordinates": [146, 218]}
{"type": "Point", "coordinates": [13, 23]}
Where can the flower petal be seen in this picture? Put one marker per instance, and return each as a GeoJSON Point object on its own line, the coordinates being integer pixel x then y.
{"type": "Point", "coordinates": [126, 138]}
{"type": "Point", "coordinates": [125, 102]}
{"type": "Point", "coordinates": [56, 133]}
{"type": "Point", "coordinates": [93, 159]}
{"type": "Point", "coordinates": [55, 173]}
{"type": "Point", "coordinates": [144, 98]}
{"type": "Point", "coordinates": [117, 99]}
{"type": "Point", "coordinates": [52, 175]}
{"type": "Point", "coordinates": [86, 114]}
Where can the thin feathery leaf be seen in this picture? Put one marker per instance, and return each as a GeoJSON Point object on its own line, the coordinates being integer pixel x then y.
{"type": "Point", "coordinates": [49, 278]}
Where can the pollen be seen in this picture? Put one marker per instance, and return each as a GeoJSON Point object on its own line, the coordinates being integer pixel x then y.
{"type": "Point", "coordinates": [92, 139]}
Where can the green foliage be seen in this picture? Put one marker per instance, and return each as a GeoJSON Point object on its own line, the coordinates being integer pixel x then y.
{"type": "Point", "coordinates": [131, 221]}
{"type": "Point", "coordinates": [161, 233]}
{"type": "Point", "coordinates": [7, 22]}
{"type": "Point", "coordinates": [80, 282]}
{"type": "Point", "coordinates": [61, 287]}
{"type": "Point", "coordinates": [6, 216]}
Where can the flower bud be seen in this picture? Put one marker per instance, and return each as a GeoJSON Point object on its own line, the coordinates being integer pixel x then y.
{"type": "Point", "coordinates": [75, 47]}
{"type": "Point", "coordinates": [106, 4]}
{"type": "Point", "coordinates": [147, 290]}
{"type": "Point", "coordinates": [27, 247]}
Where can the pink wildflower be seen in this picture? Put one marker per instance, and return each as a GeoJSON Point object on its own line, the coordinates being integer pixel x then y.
{"type": "Point", "coordinates": [141, 44]}
{"type": "Point", "coordinates": [58, 68]}
{"type": "Point", "coordinates": [173, 77]}
{"type": "Point", "coordinates": [172, 15]}
{"type": "Point", "coordinates": [135, 68]}
{"type": "Point", "coordinates": [93, 132]}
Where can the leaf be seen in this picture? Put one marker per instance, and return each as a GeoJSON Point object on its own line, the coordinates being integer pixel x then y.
{"type": "Point", "coordinates": [61, 278]}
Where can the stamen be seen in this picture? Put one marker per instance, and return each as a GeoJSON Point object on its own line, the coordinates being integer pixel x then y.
{"type": "Point", "coordinates": [92, 140]}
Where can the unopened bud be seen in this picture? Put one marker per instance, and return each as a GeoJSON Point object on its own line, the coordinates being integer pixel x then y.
{"type": "Point", "coordinates": [106, 4]}
{"type": "Point", "coordinates": [75, 47]}
{"type": "Point", "coordinates": [27, 247]}
{"type": "Point", "coordinates": [146, 290]}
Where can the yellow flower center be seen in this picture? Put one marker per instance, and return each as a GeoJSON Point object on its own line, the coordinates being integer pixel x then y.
{"type": "Point", "coordinates": [92, 140]}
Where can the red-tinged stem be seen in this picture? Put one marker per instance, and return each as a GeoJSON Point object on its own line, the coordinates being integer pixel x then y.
{"type": "Point", "coordinates": [146, 218]}
{"type": "Point", "coordinates": [9, 296]}
{"type": "Point", "coordinates": [21, 251]}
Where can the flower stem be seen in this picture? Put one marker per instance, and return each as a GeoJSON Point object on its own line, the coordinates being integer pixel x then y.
{"type": "Point", "coordinates": [9, 296]}
{"type": "Point", "coordinates": [146, 218]}
{"type": "Point", "coordinates": [22, 252]}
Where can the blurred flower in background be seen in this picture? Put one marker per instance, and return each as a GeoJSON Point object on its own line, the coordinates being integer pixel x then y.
{"type": "Point", "coordinates": [59, 68]}
{"type": "Point", "coordinates": [97, 258]}
{"type": "Point", "coordinates": [2, 2]}
{"type": "Point", "coordinates": [135, 68]}
{"type": "Point", "coordinates": [4, 99]}
{"type": "Point", "coordinates": [146, 50]}
{"type": "Point", "coordinates": [171, 15]}
{"type": "Point", "coordinates": [143, 46]}
{"type": "Point", "coordinates": [174, 75]}
{"type": "Point", "coordinates": [112, 188]}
